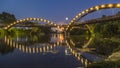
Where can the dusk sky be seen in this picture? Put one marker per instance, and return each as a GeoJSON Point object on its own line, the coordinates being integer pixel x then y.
{"type": "Point", "coordinates": [55, 10]}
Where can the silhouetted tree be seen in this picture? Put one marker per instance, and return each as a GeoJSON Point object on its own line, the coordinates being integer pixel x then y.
{"type": "Point", "coordinates": [6, 18]}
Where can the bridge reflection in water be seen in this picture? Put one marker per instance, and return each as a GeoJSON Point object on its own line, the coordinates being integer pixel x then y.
{"type": "Point", "coordinates": [56, 40]}
{"type": "Point", "coordinates": [27, 49]}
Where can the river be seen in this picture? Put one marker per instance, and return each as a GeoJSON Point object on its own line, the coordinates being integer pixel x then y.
{"type": "Point", "coordinates": [53, 51]}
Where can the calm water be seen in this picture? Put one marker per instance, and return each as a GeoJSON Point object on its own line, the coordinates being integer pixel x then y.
{"type": "Point", "coordinates": [50, 51]}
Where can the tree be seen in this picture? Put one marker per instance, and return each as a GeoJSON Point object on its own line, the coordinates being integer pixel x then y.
{"type": "Point", "coordinates": [7, 18]}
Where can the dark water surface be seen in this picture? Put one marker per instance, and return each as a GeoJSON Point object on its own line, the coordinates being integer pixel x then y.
{"type": "Point", "coordinates": [52, 51]}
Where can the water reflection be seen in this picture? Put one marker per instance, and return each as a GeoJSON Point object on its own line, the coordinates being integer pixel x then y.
{"type": "Point", "coordinates": [80, 52]}
{"type": "Point", "coordinates": [37, 52]}
{"type": "Point", "coordinates": [56, 41]}
{"type": "Point", "coordinates": [30, 49]}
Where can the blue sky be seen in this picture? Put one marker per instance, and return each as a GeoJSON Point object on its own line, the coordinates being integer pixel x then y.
{"type": "Point", "coordinates": [55, 10]}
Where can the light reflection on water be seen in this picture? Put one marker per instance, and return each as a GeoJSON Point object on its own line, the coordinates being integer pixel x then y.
{"type": "Point", "coordinates": [41, 52]}
{"type": "Point", "coordinates": [52, 54]}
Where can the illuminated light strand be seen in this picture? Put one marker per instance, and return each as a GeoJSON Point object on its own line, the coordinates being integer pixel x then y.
{"type": "Point", "coordinates": [118, 5]}
{"type": "Point", "coordinates": [92, 8]}
{"type": "Point", "coordinates": [86, 10]}
{"type": "Point", "coordinates": [102, 6]}
{"type": "Point", "coordinates": [110, 5]}
{"type": "Point", "coordinates": [96, 8]}
{"type": "Point", "coordinates": [29, 19]}
{"type": "Point", "coordinates": [77, 16]}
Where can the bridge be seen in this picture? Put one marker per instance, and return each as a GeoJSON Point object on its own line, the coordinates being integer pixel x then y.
{"type": "Point", "coordinates": [94, 21]}
{"type": "Point", "coordinates": [74, 22]}
{"type": "Point", "coordinates": [30, 19]}
{"type": "Point", "coordinates": [78, 17]}
{"type": "Point", "coordinates": [99, 20]}
{"type": "Point", "coordinates": [39, 25]}
{"type": "Point", "coordinates": [82, 14]}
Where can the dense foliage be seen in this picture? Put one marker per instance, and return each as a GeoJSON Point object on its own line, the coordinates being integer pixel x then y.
{"type": "Point", "coordinates": [6, 18]}
{"type": "Point", "coordinates": [111, 28]}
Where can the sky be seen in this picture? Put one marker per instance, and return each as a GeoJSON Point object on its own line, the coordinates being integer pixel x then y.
{"type": "Point", "coordinates": [54, 10]}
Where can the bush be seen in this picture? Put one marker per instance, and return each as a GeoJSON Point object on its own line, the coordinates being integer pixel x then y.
{"type": "Point", "coordinates": [105, 64]}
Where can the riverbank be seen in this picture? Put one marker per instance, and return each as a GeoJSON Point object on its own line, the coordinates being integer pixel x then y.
{"type": "Point", "coordinates": [113, 61]}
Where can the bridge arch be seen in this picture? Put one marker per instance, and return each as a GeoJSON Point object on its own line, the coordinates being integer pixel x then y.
{"type": "Point", "coordinates": [90, 10]}
{"type": "Point", "coordinates": [29, 19]}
